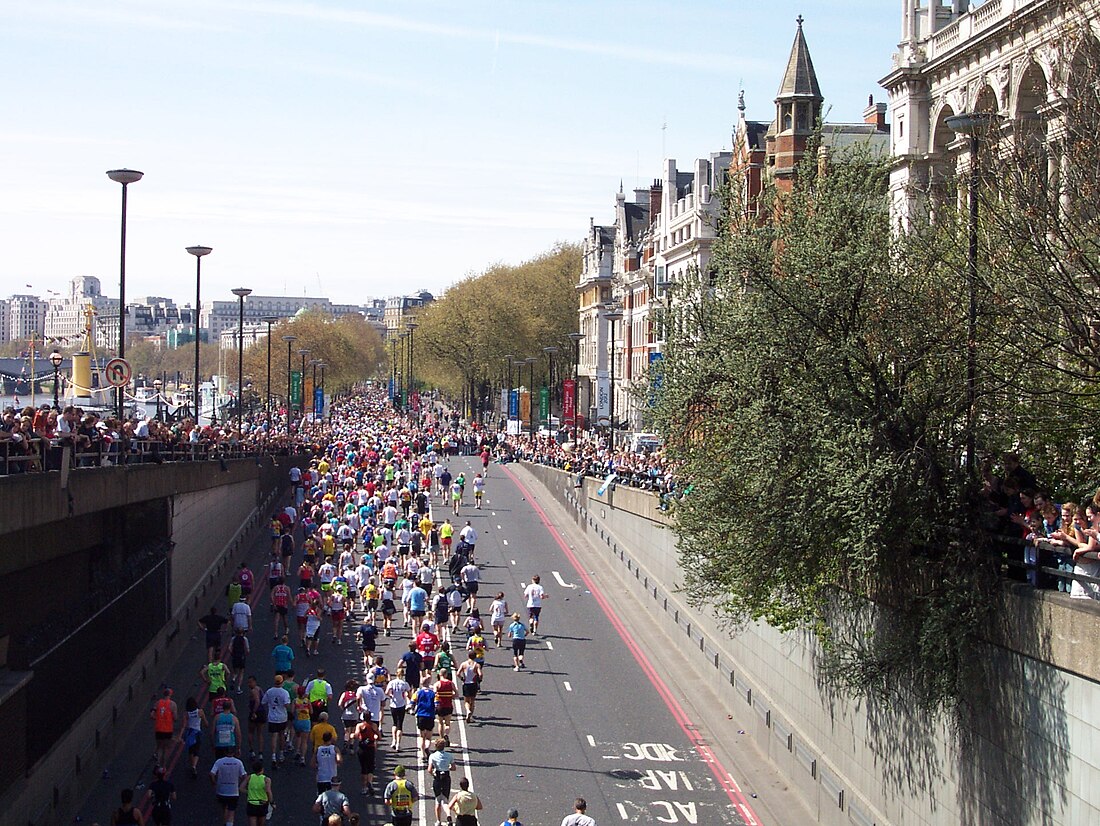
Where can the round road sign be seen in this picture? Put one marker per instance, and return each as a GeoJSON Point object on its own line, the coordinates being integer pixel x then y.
{"type": "Point", "coordinates": [118, 372]}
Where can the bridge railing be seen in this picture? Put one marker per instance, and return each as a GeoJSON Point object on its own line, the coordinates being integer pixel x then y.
{"type": "Point", "coordinates": [40, 454]}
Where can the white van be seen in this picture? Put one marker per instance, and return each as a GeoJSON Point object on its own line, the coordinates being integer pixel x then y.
{"type": "Point", "coordinates": [645, 442]}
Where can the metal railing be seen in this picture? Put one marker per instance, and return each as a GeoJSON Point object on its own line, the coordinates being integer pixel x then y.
{"type": "Point", "coordinates": [40, 454]}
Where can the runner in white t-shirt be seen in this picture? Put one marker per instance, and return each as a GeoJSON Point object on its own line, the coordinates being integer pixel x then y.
{"type": "Point", "coordinates": [535, 595]}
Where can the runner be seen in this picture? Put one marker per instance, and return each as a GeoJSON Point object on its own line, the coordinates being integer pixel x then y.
{"type": "Point", "coordinates": [370, 697]}
{"type": "Point", "coordinates": [238, 655]}
{"type": "Point", "coordinates": [579, 816]}
{"type": "Point", "coordinates": [326, 760]}
{"type": "Point", "coordinates": [445, 691]}
{"type": "Point", "coordinates": [164, 715]}
{"type": "Point", "coordinates": [440, 765]}
{"type": "Point", "coordinates": [332, 802]}
{"type": "Point", "coordinates": [424, 705]}
{"type": "Point", "coordinates": [302, 717]}
{"type": "Point", "coordinates": [258, 797]}
{"type": "Point", "coordinates": [280, 605]}
{"type": "Point", "coordinates": [282, 657]}
{"type": "Point", "coordinates": [465, 804]}
{"type": "Point", "coordinates": [470, 675]}
{"type": "Point", "coordinates": [535, 594]}
{"type": "Point", "coordinates": [163, 793]}
{"type": "Point", "coordinates": [471, 579]}
{"type": "Point", "coordinates": [215, 674]}
{"type": "Point", "coordinates": [212, 625]}
{"type": "Point", "coordinates": [301, 609]}
{"type": "Point", "coordinates": [518, 632]}
{"type": "Point", "coordinates": [479, 491]}
{"type": "Point", "coordinates": [319, 692]}
{"type": "Point", "coordinates": [126, 813]}
{"type": "Point", "coordinates": [398, 691]}
{"type": "Point", "coordinates": [349, 711]}
{"type": "Point", "coordinates": [226, 776]}
{"type": "Point", "coordinates": [277, 704]}
{"type": "Point", "coordinates": [366, 736]}
{"type": "Point", "coordinates": [257, 717]}
{"type": "Point", "coordinates": [498, 611]}
{"type": "Point", "coordinates": [400, 795]}
{"type": "Point", "coordinates": [192, 732]}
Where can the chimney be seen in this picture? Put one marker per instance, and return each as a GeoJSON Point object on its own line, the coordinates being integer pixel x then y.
{"type": "Point", "coordinates": [875, 114]}
{"type": "Point", "coordinates": [641, 196]}
{"type": "Point", "coordinates": [655, 199]}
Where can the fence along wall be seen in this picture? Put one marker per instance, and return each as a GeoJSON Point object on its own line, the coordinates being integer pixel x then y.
{"type": "Point", "coordinates": [1027, 757]}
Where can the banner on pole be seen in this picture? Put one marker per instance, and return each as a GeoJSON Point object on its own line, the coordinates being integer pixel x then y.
{"type": "Point", "coordinates": [525, 406]}
{"type": "Point", "coordinates": [318, 402]}
{"type": "Point", "coordinates": [513, 404]}
{"type": "Point", "coordinates": [296, 389]}
{"type": "Point", "coordinates": [544, 405]}
{"type": "Point", "coordinates": [569, 402]}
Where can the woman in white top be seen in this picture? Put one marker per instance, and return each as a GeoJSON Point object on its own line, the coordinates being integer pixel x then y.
{"type": "Point", "coordinates": [498, 611]}
{"type": "Point", "coordinates": [397, 695]}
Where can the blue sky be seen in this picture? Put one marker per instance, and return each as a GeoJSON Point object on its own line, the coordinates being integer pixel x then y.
{"type": "Point", "coordinates": [354, 148]}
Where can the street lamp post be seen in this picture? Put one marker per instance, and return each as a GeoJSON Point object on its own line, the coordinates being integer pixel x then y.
{"type": "Point", "coordinates": [313, 402]}
{"type": "Point", "coordinates": [530, 362]}
{"type": "Point", "coordinates": [303, 353]}
{"type": "Point", "coordinates": [393, 374]}
{"type": "Point", "coordinates": [972, 124]}
{"type": "Point", "coordinates": [550, 351]}
{"type": "Point", "coordinates": [289, 339]}
{"type": "Point", "coordinates": [612, 317]}
{"type": "Point", "coordinates": [322, 365]}
{"type": "Point", "coordinates": [124, 177]}
{"type": "Point", "coordinates": [508, 396]}
{"type": "Point", "coordinates": [157, 385]}
{"type": "Point", "coordinates": [269, 319]}
{"type": "Point", "coordinates": [198, 252]}
{"type": "Point", "coordinates": [240, 292]}
{"type": "Point", "coordinates": [411, 326]}
{"type": "Point", "coordinates": [576, 338]}
{"type": "Point", "coordinates": [55, 359]}
{"type": "Point", "coordinates": [402, 376]}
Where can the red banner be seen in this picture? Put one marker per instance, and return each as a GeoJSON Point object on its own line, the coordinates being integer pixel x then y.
{"type": "Point", "coordinates": [569, 402]}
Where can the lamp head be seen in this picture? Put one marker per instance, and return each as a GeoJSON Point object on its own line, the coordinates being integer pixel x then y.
{"type": "Point", "coordinates": [550, 350]}
{"type": "Point", "coordinates": [125, 176]}
{"type": "Point", "coordinates": [199, 252]}
{"type": "Point", "coordinates": [303, 352]}
{"type": "Point", "coordinates": [971, 123]}
{"type": "Point", "coordinates": [56, 358]}
{"type": "Point", "coordinates": [157, 384]}
{"type": "Point", "coordinates": [289, 339]}
{"type": "Point", "coordinates": [576, 338]}
{"type": "Point", "coordinates": [241, 292]}
{"type": "Point", "coordinates": [270, 319]}
{"type": "Point", "coordinates": [614, 315]}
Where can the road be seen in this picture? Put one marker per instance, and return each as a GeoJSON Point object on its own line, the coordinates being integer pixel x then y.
{"type": "Point", "coordinates": [596, 714]}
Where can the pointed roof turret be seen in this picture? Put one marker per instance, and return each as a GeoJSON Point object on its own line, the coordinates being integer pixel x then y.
{"type": "Point", "coordinates": [800, 79]}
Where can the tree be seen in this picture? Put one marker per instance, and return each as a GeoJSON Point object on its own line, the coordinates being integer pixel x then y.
{"type": "Point", "coordinates": [464, 336]}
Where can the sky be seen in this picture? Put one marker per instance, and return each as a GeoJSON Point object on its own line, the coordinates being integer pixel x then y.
{"type": "Point", "coordinates": [358, 149]}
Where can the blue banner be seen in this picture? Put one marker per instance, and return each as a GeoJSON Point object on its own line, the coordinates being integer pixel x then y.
{"type": "Point", "coordinates": [318, 402]}
{"type": "Point", "coordinates": [390, 389]}
{"type": "Point", "coordinates": [513, 404]}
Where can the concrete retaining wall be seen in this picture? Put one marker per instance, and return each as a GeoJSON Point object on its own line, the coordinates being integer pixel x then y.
{"type": "Point", "coordinates": [1028, 756]}
{"type": "Point", "coordinates": [216, 518]}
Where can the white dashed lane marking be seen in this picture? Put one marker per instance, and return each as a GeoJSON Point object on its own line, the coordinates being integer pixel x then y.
{"type": "Point", "coordinates": [567, 686]}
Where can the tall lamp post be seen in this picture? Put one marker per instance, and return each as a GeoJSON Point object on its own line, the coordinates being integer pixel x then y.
{"type": "Point", "coordinates": [322, 365]}
{"type": "Point", "coordinates": [612, 317]}
{"type": "Point", "coordinates": [269, 320]}
{"type": "Point", "coordinates": [402, 376]}
{"type": "Point", "coordinates": [157, 385]}
{"type": "Point", "coordinates": [55, 359]}
{"type": "Point", "coordinates": [198, 252]}
{"type": "Point", "coordinates": [576, 338]}
{"type": "Point", "coordinates": [240, 292]}
{"type": "Point", "coordinates": [550, 351]}
{"type": "Point", "coordinates": [124, 177]}
{"type": "Point", "coordinates": [313, 402]}
{"type": "Point", "coordinates": [508, 396]}
{"type": "Point", "coordinates": [411, 326]}
{"type": "Point", "coordinates": [303, 353]}
{"type": "Point", "coordinates": [289, 339]}
{"type": "Point", "coordinates": [393, 374]}
{"type": "Point", "coordinates": [972, 124]}
{"type": "Point", "coordinates": [530, 362]}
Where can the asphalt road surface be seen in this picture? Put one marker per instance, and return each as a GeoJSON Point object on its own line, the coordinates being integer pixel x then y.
{"type": "Point", "coordinates": [595, 714]}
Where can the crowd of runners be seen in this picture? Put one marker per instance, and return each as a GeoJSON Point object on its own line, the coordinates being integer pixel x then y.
{"type": "Point", "coordinates": [360, 557]}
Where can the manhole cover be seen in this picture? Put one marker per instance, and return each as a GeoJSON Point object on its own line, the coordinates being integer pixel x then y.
{"type": "Point", "coordinates": [626, 774]}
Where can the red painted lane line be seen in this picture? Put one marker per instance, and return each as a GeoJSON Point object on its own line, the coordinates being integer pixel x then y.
{"type": "Point", "coordinates": [721, 774]}
{"type": "Point", "coordinates": [177, 749]}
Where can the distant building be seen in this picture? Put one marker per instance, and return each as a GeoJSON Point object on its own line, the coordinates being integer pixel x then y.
{"type": "Point", "coordinates": [217, 316]}
{"type": "Point", "coordinates": [593, 294]}
{"type": "Point", "coordinates": [401, 309]}
{"type": "Point", "coordinates": [26, 317]}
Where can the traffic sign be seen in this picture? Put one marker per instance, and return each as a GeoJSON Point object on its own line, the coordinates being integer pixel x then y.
{"type": "Point", "coordinates": [118, 372]}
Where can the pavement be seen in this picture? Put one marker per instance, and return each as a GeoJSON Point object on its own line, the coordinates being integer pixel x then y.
{"type": "Point", "coordinates": [608, 708]}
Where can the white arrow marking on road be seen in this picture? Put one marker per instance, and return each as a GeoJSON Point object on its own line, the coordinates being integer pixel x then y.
{"type": "Point", "coordinates": [561, 581]}
{"type": "Point", "coordinates": [622, 810]}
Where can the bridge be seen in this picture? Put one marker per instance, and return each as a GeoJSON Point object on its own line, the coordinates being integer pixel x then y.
{"type": "Point", "coordinates": [145, 548]}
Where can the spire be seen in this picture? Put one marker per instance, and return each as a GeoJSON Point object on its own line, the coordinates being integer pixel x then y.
{"type": "Point", "coordinates": [800, 79]}
{"type": "Point", "coordinates": [741, 101]}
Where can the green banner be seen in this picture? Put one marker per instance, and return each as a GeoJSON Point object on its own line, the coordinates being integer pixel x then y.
{"type": "Point", "coordinates": [296, 389]}
{"type": "Point", "coordinates": [544, 405]}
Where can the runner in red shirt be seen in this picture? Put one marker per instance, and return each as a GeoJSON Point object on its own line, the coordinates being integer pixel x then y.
{"type": "Point", "coordinates": [427, 644]}
{"type": "Point", "coordinates": [280, 604]}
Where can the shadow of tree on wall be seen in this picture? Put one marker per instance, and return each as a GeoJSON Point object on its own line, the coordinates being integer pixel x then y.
{"type": "Point", "coordinates": [1005, 748]}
